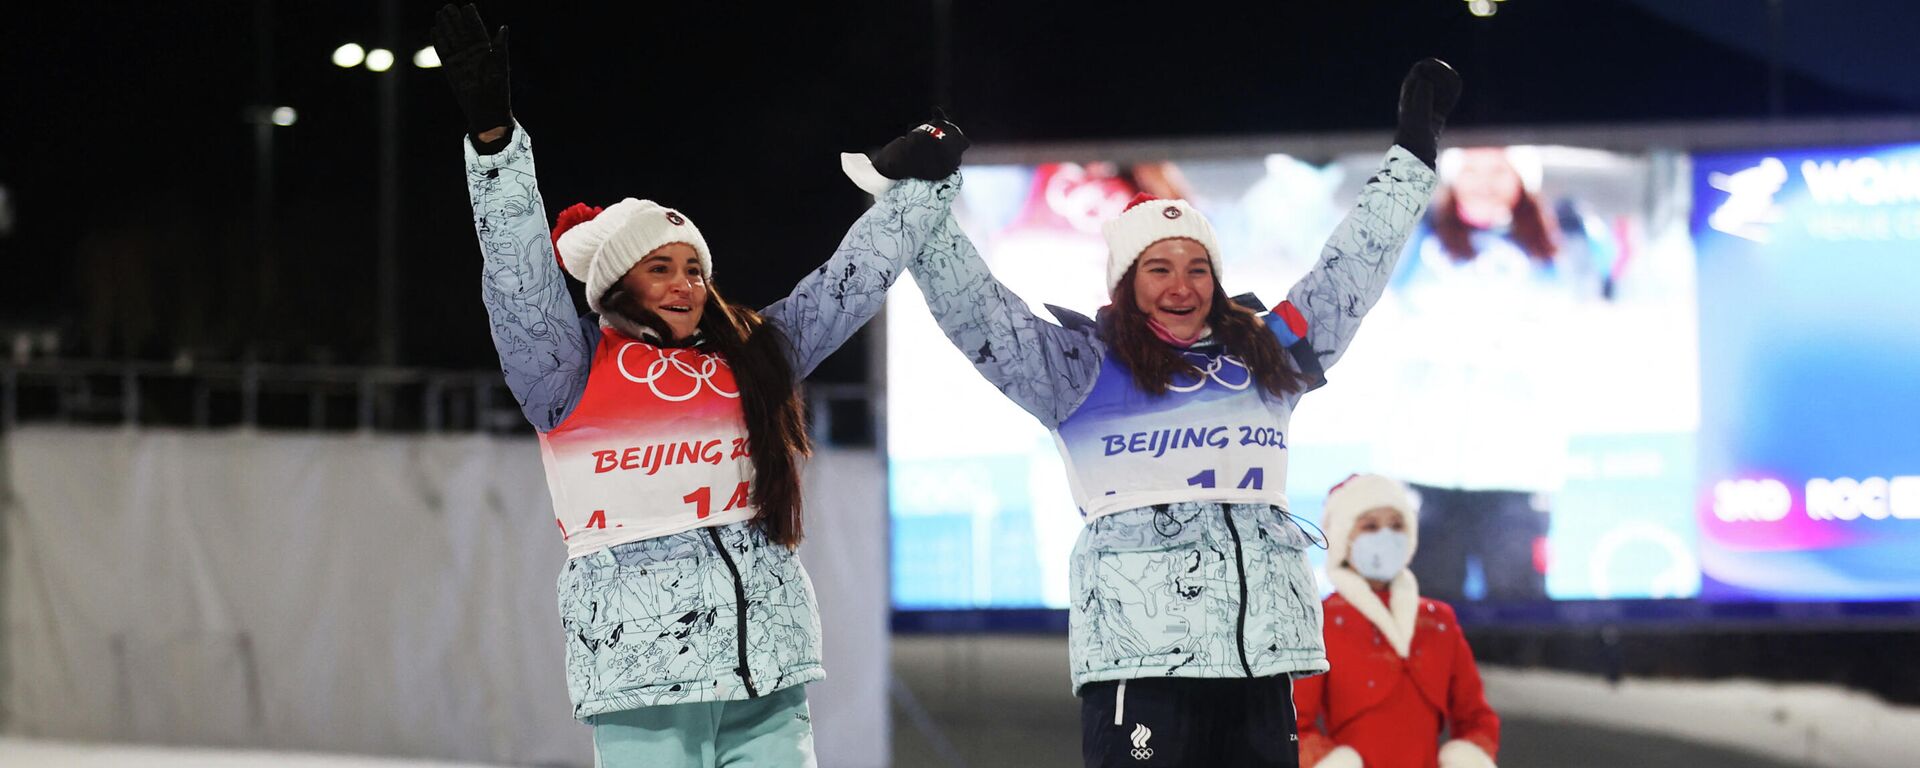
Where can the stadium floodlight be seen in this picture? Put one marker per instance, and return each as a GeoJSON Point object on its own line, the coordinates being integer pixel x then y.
{"type": "Point", "coordinates": [284, 116]}
{"type": "Point", "coordinates": [426, 58]}
{"type": "Point", "coordinates": [379, 59]}
{"type": "Point", "coordinates": [1483, 8]}
{"type": "Point", "coordinates": [349, 56]}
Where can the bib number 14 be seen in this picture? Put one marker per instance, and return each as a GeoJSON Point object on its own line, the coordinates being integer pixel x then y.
{"type": "Point", "coordinates": [702, 500]}
{"type": "Point", "coordinates": [1255, 478]}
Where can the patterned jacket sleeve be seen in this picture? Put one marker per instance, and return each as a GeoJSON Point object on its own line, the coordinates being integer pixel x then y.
{"type": "Point", "coordinates": [833, 301]}
{"type": "Point", "coordinates": [1359, 258]}
{"type": "Point", "coordinates": [1046, 369]}
{"type": "Point", "coordinates": [544, 347]}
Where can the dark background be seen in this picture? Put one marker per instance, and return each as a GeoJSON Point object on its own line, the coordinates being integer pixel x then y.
{"type": "Point", "coordinates": [126, 149]}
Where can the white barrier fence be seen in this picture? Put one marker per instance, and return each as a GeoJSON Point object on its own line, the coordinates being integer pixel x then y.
{"type": "Point", "coordinates": [368, 593]}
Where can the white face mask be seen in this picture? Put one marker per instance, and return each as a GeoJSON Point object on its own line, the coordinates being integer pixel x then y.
{"type": "Point", "coordinates": [1379, 555]}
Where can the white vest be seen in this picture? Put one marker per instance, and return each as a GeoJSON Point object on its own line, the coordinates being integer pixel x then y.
{"type": "Point", "coordinates": [1215, 439]}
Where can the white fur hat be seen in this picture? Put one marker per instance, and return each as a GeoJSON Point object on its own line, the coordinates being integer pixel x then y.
{"type": "Point", "coordinates": [599, 248]}
{"type": "Point", "coordinates": [1352, 498]}
{"type": "Point", "coordinates": [1148, 220]}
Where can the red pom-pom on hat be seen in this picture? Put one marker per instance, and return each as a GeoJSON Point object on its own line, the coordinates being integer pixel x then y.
{"type": "Point", "coordinates": [573, 216]}
{"type": "Point", "coordinates": [1138, 199]}
{"type": "Point", "coordinates": [1342, 483]}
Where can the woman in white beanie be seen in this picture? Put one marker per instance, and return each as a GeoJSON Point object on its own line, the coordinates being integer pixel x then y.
{"type": "Point", "coordinates": [1191, 600]}
{"type": "Point", "coordinates": [1402, 670]}
{"type": "Point", "coordinates": [671, 432]}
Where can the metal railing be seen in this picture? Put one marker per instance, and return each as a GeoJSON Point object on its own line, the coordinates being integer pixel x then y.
{"type": "Point", "coordinates": [319, 398]}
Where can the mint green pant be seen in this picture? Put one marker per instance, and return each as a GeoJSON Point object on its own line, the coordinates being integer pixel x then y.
{"type": "Point", "coordinates": [774, 731]}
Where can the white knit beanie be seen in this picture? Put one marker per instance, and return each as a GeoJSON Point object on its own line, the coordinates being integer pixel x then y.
{"type": "Point", "coordinates": [1352, 498]}
{"type": "Point", "coordinates": [1148, 220]}
{"type": "Point", "coordinates": [600, 248]}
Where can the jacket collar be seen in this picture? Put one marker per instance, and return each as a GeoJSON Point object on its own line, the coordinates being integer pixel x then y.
{"type": "Point", "coordinates": [639, 332]}
{"type": "Point", "coordinates": [1394, 619]}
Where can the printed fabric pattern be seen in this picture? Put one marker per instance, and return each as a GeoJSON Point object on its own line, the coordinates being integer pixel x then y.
{"type": "Point", "coordinates": [656, 621]}
{"type": "Point", "coordinates": [1158, 590]}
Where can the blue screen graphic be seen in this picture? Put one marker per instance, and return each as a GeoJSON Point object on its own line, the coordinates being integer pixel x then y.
{"type": "Point", "coordinates": [1810, 369]}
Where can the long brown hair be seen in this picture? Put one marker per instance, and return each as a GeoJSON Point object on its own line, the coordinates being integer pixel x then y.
{"type": "Point", "coordinates": [1533, 227]}
{"type": "Point", "coordinates": [756, 350]}
{"type": "Point", "coordinates": [1154, 362]}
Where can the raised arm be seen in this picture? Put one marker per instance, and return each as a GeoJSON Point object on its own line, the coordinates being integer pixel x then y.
{"type": "Point", "coordinates": [1043, 367]}
{"type": "Point", "coordinates": [1359, 258]}
{"type": "Point", "coordinates": [913, 180]}
{"type": "Point", "coordinates": [828, 305]}
{"type": "Point", "coordinates": [544, 348]}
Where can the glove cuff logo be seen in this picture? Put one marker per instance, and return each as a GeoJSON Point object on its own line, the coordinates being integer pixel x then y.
{"type": "Point", "coordinates": [932, 130]}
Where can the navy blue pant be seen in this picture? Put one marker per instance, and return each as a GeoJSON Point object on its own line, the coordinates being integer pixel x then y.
{"type": "Point", "coordinates": [1189, 721]}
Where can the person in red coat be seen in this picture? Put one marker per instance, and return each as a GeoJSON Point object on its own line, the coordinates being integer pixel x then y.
{"type": "Point", "coordinates": [1402, 670]}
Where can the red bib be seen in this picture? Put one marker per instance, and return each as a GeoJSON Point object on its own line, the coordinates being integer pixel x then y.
{"type": "Point", "coordinates": [657, 445]}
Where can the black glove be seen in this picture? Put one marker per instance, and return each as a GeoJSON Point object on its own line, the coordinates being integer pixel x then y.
{"type": "Point", "coordinates": [476, 66]}
{"type": "Point", "coordinates": [930, 152]}
{"type": "Point", "coordinates": [1427, 96]}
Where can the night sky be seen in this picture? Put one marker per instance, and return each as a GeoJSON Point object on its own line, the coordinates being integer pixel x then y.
{"type": "Point", "coordinates": [126, 152]}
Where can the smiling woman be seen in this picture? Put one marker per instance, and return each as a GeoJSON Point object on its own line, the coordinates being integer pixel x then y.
{"type": "Point", "coordinates": [1173, 285]}
{"type": "Point", "coordinates": [1177, 302]}
{"type": "Point", "coordinates": [669, 284]}
{"type": "Point", "coordinates": [1189, 586]}
{"type": "Point", "coordinates": [671, 432]}
{"type": "Point", "coordinates": [653, 282]}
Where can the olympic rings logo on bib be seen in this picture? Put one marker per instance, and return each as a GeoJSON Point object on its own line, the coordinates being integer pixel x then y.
{"type": "Point", "coordinates": [1217, 369]}
{"type": "Point", "coordinates": [657, 374]}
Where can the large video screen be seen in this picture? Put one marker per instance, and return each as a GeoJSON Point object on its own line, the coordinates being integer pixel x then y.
{"type": "Point", "coordinates": [1810, 338]}
{"type": "Point", "coordinates": [1533, 369]}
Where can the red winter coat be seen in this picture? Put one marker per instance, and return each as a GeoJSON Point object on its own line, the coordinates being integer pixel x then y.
{"type": "Point", "coordinates": [1389, 709]}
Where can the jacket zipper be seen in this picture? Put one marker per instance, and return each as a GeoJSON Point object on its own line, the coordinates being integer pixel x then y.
{"type": "Point", "coordinates": [1239, 564]}
{"type": "Point", "coordinates": [740, 612]}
